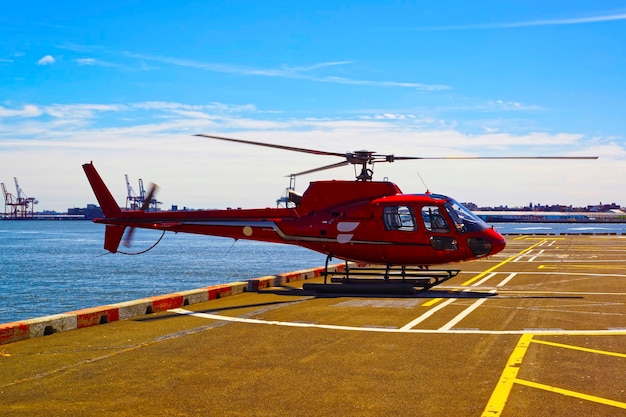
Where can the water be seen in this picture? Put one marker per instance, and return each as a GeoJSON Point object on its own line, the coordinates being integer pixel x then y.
{"type": "Point", "coordinates": [561, 228]}
{"type": "Point", "coordinates": [48, 267]}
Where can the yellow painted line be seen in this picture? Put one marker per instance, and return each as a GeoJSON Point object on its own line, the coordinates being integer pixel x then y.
{"type": "Point", "coordinates": [599, 352]}
{"type": "Point", "coordinates": [574, 394]}
{"type": "Point", "coordinates": [527, 237]}
{"type": "Point", "coordinates": [432, 302]}
{"type": "Point", "coordinates": [493, 268]}
{"type": "Point", "coordinates": [500, 395]}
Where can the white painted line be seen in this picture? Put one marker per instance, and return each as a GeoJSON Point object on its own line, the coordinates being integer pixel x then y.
{"type": "Point", "coordinates": [464, 313]}
{"type": "Point", "coordinates": [427, 314]}
{"type": "Point", "coordinates": [507, 279]}
{"type": "Point", "coordinates": [532, 259]}
{"type": "Point", "coordinates": [479, 283]}
{"type": "Point", "coordinates": [547, 332]}
{"type": "Point", "coordinates": [472, 307]}
{"type": "Point", "coordinates": [477, 303]}
{"type": "Point", "coordinates": [459, 317]}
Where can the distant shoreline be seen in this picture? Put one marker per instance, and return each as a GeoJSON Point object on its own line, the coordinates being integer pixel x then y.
{"type": "Point", "coordinates": [487, 220]}
{"type": "Point", "coordinates": [56, 217]}
{"type": "Point", "coordinates": [559, 221]}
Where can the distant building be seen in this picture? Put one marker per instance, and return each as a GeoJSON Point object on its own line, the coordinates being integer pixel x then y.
{"type": "Point", "coordinates": [90, 212]}
{"type": "Point", "coordinates": [470, 206]}
{"type": "Point", "coordinates": [552, 213]}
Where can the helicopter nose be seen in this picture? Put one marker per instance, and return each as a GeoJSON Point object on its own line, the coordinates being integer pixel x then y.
{"type": "Point", "coordinates": [498, 243]}
{"type": "Point", "coordinates": [490, 243]}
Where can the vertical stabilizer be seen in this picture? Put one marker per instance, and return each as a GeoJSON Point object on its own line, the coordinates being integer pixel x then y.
{"type": "Point", "coordinates": [112, 234]}
{"type": "Point", "coordinates": [112, 237]}
{"type": "Point", "coordinates": [103, 195]}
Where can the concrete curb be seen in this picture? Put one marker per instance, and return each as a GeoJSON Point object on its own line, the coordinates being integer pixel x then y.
{"type": "Point", "coordinates": [72, 320]}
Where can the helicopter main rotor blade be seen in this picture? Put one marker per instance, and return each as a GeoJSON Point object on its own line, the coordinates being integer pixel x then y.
{"type": "Point", "coordinates": [401, 158]}
{"type": "Point", "coordinates": [270, 145]}
{"type": "Point", "coordinates": [388, 158]}
{"type": "Point", "coordinates": [365, 158]}
{"type": "Point", "coordinates": [337, 165]}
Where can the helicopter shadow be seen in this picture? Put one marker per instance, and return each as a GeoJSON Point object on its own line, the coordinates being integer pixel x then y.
{"type": "Point", "coordinates": [423, 293]}
{"type": "Point", "coordinates": [430, 293]}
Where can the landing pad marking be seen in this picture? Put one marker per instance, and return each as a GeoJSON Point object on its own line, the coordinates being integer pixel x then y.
{"type": "Point", "coordinates": [508, 378]}
{"type": "Point", "coordinates": [475, 282]}
{"type": "Point", "coordinates": [507, 260]}
{"type": "Point", "coordinates": [551, 332]}
{"type": "Point", "coordinates": [500, 395]}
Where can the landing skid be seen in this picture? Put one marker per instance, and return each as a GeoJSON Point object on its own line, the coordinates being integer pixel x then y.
{"type": "Point", "coordinates": [381, 279]}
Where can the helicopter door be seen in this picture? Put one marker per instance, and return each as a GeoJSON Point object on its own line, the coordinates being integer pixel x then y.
{"type": "Point", "coordinates": [436, 223]}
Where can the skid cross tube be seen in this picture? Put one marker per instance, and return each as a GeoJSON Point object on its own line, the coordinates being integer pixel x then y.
{"type": "Point", "coordinates": [387, 275]}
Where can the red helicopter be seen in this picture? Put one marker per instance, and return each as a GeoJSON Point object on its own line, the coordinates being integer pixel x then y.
{"type": "Point", "coordinates": [364, 221]}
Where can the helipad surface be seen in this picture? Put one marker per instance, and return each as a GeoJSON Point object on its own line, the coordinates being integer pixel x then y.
{"type": "Point", "coordinates": [539, 330]}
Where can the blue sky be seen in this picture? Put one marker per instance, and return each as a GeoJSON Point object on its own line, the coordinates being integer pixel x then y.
{"type": "Point", "coordinates": [126, 84]}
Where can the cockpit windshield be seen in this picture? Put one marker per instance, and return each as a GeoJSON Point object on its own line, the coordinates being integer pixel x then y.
{"type": "Point", "coordinates": [464, 220]}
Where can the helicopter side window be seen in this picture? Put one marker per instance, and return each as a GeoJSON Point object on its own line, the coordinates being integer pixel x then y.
{"type": "Point", "coordinates": [434, 220]}
{"type": "Point", "coordinates": [399, 218]}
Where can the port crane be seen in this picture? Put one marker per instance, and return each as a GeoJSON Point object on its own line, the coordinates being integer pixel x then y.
{"type": "Point", "coordinates": [18, 206]}
{"type": "Point", "coordinates": [134, 201]}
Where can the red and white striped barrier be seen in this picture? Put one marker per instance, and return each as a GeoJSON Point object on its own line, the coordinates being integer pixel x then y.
{"type": "Point", "coordinates": [72, 320]}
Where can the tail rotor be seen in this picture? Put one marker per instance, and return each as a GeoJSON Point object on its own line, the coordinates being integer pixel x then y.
{"type": "Point", "coordinates": [144, 207]}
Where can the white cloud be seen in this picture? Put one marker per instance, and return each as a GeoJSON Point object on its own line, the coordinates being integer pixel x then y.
{"type": "Point", "coordinates": [530, 23]}
{"type": "Point", "coordinates": [86, 61]}
{"type": "Point", "coordinates": [46, 60]}
{"type": "Point", "coordinates": [193, 114]}
{"type": "Point", "coordinates": [512, 105]}
{"type": "Point", "coordinates": [214, 107]}
{"type": "Point", "coordinates": [80, 111]}
{"type": "Point", "coordinates": [164, 105]}
{"type": "Point", "coordinates": [316, 66]}
{"type": "Point", "coordinates": [92, 62]}
{"type": "Point", "coordinates": [417, 86]}
{"type": "Point", "coordinates": [155, 142]}
{"type": "Point", "coordinates": [27, 111]}
{"type": "Point", "coordinates": [302, 73]}
{"type": "Point", "coordinates": [566, 21]}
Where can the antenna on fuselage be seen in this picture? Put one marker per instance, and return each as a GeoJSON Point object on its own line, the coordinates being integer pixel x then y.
{"type": "Point", "coordinates": [423, 182]}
